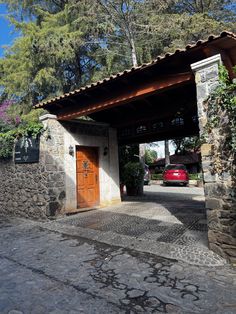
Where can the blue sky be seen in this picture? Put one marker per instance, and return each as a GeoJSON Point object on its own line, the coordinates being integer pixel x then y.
{"type": "Point", "coordinates": [7, 33]}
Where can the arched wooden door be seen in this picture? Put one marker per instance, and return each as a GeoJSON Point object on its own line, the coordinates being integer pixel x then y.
{"type": "Point", "coordinates": [87, 173]}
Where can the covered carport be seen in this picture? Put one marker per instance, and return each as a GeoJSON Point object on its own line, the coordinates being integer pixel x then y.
{"type": "Point", "coordinates": [154, 101]}
{"type": "Point", "coordinates": [160, 100]}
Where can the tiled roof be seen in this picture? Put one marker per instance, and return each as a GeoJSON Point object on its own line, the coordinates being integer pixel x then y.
{"type": "Point", "coordinates": [189, 158]}
{"type": "Point", "coordinates": [134, 69]}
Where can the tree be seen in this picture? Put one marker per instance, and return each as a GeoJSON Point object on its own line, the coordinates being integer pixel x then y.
{"type": "Point", "coordinates": [220, 10]}
{"type": "Point", "coordinates": [51, 57]}
{"type": "Point", "coordinates": [131, 24]}
{"type": "Point", "coordinates": [150, 156]}
{"type": "Point", "coordinates": [187, 144]}
{"type": "Point", "coordinates": [28, 9]}
{"type": "Point", "coordinates": [67, 43]}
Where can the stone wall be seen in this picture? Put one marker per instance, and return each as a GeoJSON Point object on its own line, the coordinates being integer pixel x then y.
{"type": "Point", "coordinates": [36, 190]}
{"type": "Point", "coordinates": [217, 165]}
{"type": "Point", "coordinates": [23, 190]}
{"type": "Point", "coordinates": [49, 188]}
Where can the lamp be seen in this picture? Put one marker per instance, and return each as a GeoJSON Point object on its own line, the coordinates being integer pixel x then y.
{"type": "Point", "coordinates": [105, 151]}
{"type": "Point", "coordinates": [71, 150]}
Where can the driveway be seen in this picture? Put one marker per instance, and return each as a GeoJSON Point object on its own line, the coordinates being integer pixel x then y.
{"type": "Point", "coordinates": [166, 221]}
{"type": "Point", "coordinates": [47, 268]}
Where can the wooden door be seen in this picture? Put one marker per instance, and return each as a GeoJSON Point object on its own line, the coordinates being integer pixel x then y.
{"type": "Point", "coordinates": [87, 172]}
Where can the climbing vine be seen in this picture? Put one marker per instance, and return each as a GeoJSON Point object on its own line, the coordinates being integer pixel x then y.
{"type": "Point", "coordinates": [8, 138]}
{"type": "Point", "coordinates": [221, 126]}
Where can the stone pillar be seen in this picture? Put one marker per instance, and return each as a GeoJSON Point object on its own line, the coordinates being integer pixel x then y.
{"type": "Point", "coordinates": [53, 158]}
{"type": "Point", "coordinates": [220, 199]}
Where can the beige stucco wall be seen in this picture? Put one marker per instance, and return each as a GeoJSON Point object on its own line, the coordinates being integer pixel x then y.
{"type": "Point", "coordinates": [108, 164]}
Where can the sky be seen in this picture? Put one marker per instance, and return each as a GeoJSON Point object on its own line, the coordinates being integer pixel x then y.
{"type": "Point", "coordinates": [7, 33]}
{"type": "Point", "coordinates": [160, 148]}
{"type": "Point", "coordinates": [7, 36]}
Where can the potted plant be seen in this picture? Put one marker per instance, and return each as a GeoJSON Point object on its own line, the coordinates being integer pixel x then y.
{"type": "Point", "coordinates": [133, 175]}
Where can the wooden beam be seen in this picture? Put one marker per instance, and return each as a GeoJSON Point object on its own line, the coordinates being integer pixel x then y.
{"type": "Point", "coordinates": [147, 102]}
{"type": "Point", "coordinates": [135, 93]}
{"type": "Point", "coordinates": [159, 136]}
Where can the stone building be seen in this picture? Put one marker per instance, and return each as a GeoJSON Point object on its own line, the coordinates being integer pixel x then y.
{"type": "Point", "coordinates": [78, 163]}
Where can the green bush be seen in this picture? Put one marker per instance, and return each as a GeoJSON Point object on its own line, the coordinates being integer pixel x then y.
{"type": "Point", "coordinates": [194, 176]}
{"type": "Point", "coordinates": [133, 174]}
{"type": "Point", "coordinates": [156, 176]}
{"type": "Point", "coordinates": [6, 144]}
{"type": "Point", "coordinates": [7, 138]}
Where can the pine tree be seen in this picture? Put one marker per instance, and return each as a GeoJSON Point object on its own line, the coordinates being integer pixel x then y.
{"type": "Point", "coordinates": [65, 44]}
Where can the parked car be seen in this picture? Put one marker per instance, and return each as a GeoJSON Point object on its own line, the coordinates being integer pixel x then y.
{"type": "Point", "coordinates": [175, 174]}
{"type": "Point", "coordinates": [147, 175]}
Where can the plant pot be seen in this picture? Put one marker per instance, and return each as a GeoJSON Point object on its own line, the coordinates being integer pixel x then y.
{"type": "Point", "coordinates": [134, 190]}
{"type": "Point", "coordinates": [122, 189]}
{"type": "Point", "coordinates": [131, 190]}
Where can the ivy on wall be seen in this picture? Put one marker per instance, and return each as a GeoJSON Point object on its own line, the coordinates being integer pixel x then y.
{"type": "Point", "coordinates": [7, 139]}
{"type": "Point", "coordinates": [221, 124]}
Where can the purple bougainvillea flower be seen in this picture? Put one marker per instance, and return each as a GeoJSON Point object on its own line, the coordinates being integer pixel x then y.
{"type": "Point", "coordinates": [3, 111]}
{"type": "Point", "coordinates": [17, 120]}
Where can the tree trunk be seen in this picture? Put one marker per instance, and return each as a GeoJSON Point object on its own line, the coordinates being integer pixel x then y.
{"type": "Point", "coordinates": [167, 153]}
{"type": "Point", "coordinates": [142, 148]}
{"type": "Point", "coordinates": [133, 53]}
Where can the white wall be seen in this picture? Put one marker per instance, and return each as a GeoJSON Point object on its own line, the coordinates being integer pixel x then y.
{"type": "Point", "coordinates": [108, 167]}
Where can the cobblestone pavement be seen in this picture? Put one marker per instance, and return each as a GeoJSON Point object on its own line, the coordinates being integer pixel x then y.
{"type": "Point", "coordinates": [166, 221]}
{"type": "Point", "coordinates": [48, 271]}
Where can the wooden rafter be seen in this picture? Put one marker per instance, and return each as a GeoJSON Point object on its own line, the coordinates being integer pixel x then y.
{"type": "Point", "coordinates": [144, 90]}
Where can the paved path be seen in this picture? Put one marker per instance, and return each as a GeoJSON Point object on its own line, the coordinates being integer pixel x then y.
{"type": "Point", "coordinates": [168, 221]}
{"type": "Point", "coordinates": [45, 271]}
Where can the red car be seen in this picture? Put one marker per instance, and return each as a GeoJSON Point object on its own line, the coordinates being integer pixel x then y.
{"type": "Point", "coordinates": [175, 174]}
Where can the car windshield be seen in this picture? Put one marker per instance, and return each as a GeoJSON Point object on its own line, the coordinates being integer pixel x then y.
{"type": "Point", "coordinates": [175, 167]}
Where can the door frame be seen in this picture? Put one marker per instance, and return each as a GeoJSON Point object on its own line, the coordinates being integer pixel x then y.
{"type": "Point", "coordinates": [97, 149]}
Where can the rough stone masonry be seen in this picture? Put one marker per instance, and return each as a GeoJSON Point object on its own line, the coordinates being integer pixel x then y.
{"type": "Point", "coordinates": [218, 182]}
{"type": "Point", "coordinates": [35, 190]}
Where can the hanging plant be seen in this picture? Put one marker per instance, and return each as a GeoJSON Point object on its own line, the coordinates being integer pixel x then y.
{"type": "Point", "coordinates": [220, 129]}
{"type": "Point", "coordinates": [7, 139]}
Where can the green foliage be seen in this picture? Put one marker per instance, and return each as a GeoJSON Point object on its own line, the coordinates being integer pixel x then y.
{"type": "Point", "coordinates": [65, 44]}
{"type": "Point", "coordinates": [32, 116]}
{"type": "Point", "coordinates": [31, 129]}
{"type": "Point", "coordinates": [221, 110]}
{"type": "Point", "coordinates": [218, 9]}
{"type": "Point", "coordinates": [8, 138]}
{"type": "Point", "coordinates": [156, 176]}
{"type": "Point", "coordinates": [127, 153]}
{"type": "Point", "coordinates": [187, 144]}
{"type": "Point", "coordinates": [6, 144]}
{"type": "Point", "coordinates": [221, 127]}
{"type": "Point", "coordinates": [16, 123]}
{"type": "Point", "coordinates": [133, 174]}
{"type": "Point", "coordinates": [55, 53]}
{"type": "Point", "coordinates": [195, 176]}
{"type": "Point", "coordinates": [150, 156]}
{"type": "Point", "coordinates": [192, 176]}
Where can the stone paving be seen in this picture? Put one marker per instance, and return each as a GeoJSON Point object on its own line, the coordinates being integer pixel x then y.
{"type": "Point", "coordinates": [167, 221]}
{"type": "Point", "coordinates": [45, 271]}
